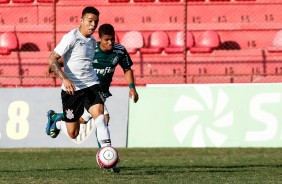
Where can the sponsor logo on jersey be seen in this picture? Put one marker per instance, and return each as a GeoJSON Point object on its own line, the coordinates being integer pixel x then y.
{"type": "Point", "coordinates": [104, 71]}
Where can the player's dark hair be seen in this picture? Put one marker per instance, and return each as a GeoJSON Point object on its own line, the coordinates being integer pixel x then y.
{"type": "Point", "coordinates": [90, 9]}
{"type": "Point", "coordinates": [106, 29]}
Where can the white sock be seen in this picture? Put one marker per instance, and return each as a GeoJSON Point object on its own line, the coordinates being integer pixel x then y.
{"type": "Point", "coordinates": [61, 125]}
{"type": "Point", "coordinates": [103, 133]}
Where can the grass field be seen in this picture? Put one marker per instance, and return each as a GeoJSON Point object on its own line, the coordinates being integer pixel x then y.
{"type": "Point", "coordinates": [144, 166]}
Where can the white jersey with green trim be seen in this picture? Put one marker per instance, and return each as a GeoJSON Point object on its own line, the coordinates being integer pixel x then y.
{"type": "Point", "coordinates": [78, 52]}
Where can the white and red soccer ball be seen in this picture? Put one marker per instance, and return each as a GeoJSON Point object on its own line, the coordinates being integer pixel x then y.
{"type": "Point", "coordinates": [107, 157]}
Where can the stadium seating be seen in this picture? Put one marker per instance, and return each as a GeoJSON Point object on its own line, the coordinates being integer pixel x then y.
{"type": "Point", "coordinates": [169, 0]}
{"type": "Point", "coordinates": [4, 1]}
{"type": "Point", "coordinates": [221, 62]}
{"type": "Point", "coordinates": [163, 80]}
{"type": "Point", "coordinates": [119, 1]}
{"type": "Point", "coordinates": [276, 43]}
{"type": "Point", "coordinates": [143, 1]}
{"type": "Point", "coordinates": [46, 1]}
{"type": "Point", "coordinates": [22, 1]}
{"type": "Point", "coordinates": [158, 40]}
{"type": "Point", "coordinates": [267, 79]}
{"type": "Point", "coordinates": [206, 42]}
{"type": "Point", "coordinates": [177, 42]}
{"type": "Point", "coordinates": [38, 82]}
{"type": "Point", "coordinates": [211, 79]}
{"type": "Point", "coordinates": [10, 82]}
{"type": "Point", "coordinates": [8, 42]}
{"type": "Point", "coordinates": [163, 69]}
{"type": "Point", "coordinates": [132, 41]}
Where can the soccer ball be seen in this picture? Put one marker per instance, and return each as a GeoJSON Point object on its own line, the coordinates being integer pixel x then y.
{"type": "Point", "coordinates": [107, 157]}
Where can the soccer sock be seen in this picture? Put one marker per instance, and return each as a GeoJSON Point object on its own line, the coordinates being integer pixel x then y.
{"type": "Point", "coordinates": [103, 133]}
{"type": "Point", "coordinates": [61, 125]}
{"type": "Point", "coordinates": [57, 116]}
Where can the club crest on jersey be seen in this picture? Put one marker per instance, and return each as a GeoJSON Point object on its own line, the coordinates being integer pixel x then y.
{"type": "Point", "coordinates": [115, 60]}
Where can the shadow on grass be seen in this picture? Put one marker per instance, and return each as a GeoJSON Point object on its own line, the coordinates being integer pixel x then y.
{"type": "Point", "coordinates": [157, 170]}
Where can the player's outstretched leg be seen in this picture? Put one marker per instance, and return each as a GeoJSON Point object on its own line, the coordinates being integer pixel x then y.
{"type": "Point", "coordinates": [51, 128]}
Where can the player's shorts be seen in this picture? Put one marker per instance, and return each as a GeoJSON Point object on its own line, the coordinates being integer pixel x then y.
{"type": "Point", "coordinates": [87, 116]}
{"type": "Point", "coordinates": [73, 105]}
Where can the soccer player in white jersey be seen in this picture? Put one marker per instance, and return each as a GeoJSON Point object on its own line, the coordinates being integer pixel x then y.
{"type": "Point", "coordinates": [80, 87]}
{"type": "Point", "coordinates": [108, 55]}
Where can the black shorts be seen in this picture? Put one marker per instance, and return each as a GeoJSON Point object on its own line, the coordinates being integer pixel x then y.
{"type": "Point", "coordinates": [73, 105]}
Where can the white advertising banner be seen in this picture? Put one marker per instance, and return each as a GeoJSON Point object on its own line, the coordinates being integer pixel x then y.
{"type": "Point", "coordinates": [23, 113]}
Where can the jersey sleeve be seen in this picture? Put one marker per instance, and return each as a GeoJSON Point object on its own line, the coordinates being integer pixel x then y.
{"type": "Point", "coordinates": [65, 44]}
{"type": "Point", "coordinates": [126, 62]}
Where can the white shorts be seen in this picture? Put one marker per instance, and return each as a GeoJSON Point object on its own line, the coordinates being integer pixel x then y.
{"type": "Point", "coordinates": [87, 116]}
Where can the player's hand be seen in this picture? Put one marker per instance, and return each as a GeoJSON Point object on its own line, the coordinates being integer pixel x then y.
{"type": "Point", "coordinates": [133, 95]}
{"type": "Point", "coordinates": [69, 86]}
{"type": "Point", "coordinates": [48, 71]}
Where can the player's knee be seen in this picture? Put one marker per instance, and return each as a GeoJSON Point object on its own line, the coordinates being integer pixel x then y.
{"type": "Point", "coordinates": [73, 134]}
{"type": "Point", "coordinates": [82, 121]}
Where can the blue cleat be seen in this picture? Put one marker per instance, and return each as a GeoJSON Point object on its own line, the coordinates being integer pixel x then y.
{"type": "Point", "coordinates": [54, 132]}
{"type": "Point", "coordinates": [51, 128]}
{"type": "Point", "coordinates": [50, 114]}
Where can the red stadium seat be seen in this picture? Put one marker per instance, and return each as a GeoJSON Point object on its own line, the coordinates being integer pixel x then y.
{"type": "Point", "coordinates": [219, 0]}
{"type": "Point", "coordinates": [138, 1]}
{"type": "Point", "coordinates": [169, 0]}
{"type": "Point", "coordinates": [276, 43]}
{"type": "Point", "coordinates": [177, 42]}
{"type": "Point", "coordinates": [4, 1]}
{"type": "Point", "coordinates": [22, 1]}
{"type": "Point", "coordinates": [46, 1]}
{"type": "Point", "coordinates": [206, 42]}
{"type": "Point", "coordinates": [119, 1]}
{"type": "Point", "coordinates": [8, 42]}
{"type": "Point", "coordinates": [132, 41]}
{"type": "Point", "coordinates": [158, 40]}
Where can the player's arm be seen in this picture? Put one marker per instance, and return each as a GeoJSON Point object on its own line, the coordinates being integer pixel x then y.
{"type": "Point", "coordinates": [54, 65]}
{"type": "Point", "coordinates": [56, 68]}
{"type": "Point", "coordinates": [128, 74]}
{"type": "Point", "coordinates": [49, 70]}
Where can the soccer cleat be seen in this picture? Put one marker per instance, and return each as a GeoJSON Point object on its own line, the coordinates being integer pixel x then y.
{"type": "Point", "coordinates": [115, 169]}
{"type": "Point", "coordinates": [50, 114]}
{"type": "Point", "coordinates": [51, 128]}
{"type": "Point", "coordinates": [54, 132]}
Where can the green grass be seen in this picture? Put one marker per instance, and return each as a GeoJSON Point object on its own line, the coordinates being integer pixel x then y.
{"type": "Point", "coordinates": [144, 166]}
